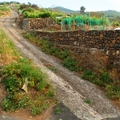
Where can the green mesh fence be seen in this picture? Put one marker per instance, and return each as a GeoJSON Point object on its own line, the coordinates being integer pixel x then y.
{"type": "Point", "coordinates": [82, 20]}
{"type": "Point", "coordinates": [67, 21]}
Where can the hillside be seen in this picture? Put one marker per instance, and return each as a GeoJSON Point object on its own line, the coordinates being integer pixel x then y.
{"type": "Point", "coordinates": [65, 10]}
{"type": "Point", "coordinates": [110, 13]}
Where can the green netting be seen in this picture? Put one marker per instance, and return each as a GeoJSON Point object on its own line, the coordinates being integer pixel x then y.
{"type": "Point", "coordinates": [79, 21]}
{"type": "Point", "coordinates": [67, 21]}
{"type": "Point", "coordinates": [82, 20]}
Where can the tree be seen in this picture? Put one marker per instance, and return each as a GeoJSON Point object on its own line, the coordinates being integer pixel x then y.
{"type": "Point", "coordinates": [82, 10]}
{"type": "Point", "coordinates": [29, 4]}
{"type": "Point", "coordinates": [35, 6]}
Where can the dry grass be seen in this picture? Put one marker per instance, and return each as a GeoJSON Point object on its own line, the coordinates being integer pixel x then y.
{"type": "Point", "coordinates": [7, 51]}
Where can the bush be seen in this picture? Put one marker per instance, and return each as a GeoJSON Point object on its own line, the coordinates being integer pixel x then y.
{"type": "Point", "coordinates": [44, 15]}
{"type": "Point", "coordinates": [14, 76]}
{"type": "Point", "coordinates": [114, 24]}
{"type": "Point", "coordinates": [16, 73]}
{"type": "Point", "coordinates": [105, 77]}
{"type": "Point", "coordinates": [64, 54]}
{"type": "Point", "coordinates": [29, 9]}
{"type": "Point", "coordinates": [71, 64]}
{"type": "Point", "coordinates": [113, 91]}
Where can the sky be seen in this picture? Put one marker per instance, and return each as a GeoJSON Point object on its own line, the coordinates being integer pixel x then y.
{"type": "Point", "coordinates": [90, 5]}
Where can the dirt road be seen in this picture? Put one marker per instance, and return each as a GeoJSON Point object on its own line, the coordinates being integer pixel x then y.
{"type": "Point", "coordinates": [71, 90]}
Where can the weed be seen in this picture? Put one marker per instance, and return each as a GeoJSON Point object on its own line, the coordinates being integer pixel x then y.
{"type": "Point", "coordinates": [86, 74]}
{"type": "Point", "coordinates": [39, 103]}
{"type": "Point", "coordinates": [106, 78]}
{"type": "Point", "coordinates": [51, 93]}
{"type": "Point", "coordinates": [14, 78]}
{"type": "Point", "coordinates": [11, 102]}
{"type": "Point", "coordinates": [64, 54]}
{"type": "Point", "coordinates": [57, 111]}
{"type": "Point", "coordinates": [100, 80]}
{"type": "Point", "coordinates": [54, 69]}
{"type": "Point", "coordinates": [36, 110]}
{"type": "Point", "coordinates": [113, 92]}
{"type": "Point", "coordinates": [71, 64]}
{"type": "Point", "coordinates": [41, 85]}
{"type": "Point", "coordinates": [87, 101]}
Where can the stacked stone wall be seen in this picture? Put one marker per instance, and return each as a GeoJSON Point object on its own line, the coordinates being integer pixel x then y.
{"type": "Point", "coordinates": [91, 39]}
{"type": "Point", "coordinates": [34, 23]}
{"type": "Point", "coordinates": [96, 50]}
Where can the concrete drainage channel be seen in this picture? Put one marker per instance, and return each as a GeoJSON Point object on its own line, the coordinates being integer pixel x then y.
{"type": "Point", "coordinates": [71, 90]}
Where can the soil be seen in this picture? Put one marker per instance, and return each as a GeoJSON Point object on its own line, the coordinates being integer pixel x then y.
{"type": "Point", "coordinates": [71, 90]}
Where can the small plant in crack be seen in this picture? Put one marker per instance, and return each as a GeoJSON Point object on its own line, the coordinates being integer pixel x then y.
{"type": "Point", "coordinates": [88, 101]}
{"type": "Point", "coordinates": [58, 111]}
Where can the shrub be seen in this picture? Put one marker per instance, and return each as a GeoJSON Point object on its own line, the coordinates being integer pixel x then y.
{"type": "Point", "coordinates": [44, 15]}
{"type": "Point", "coordinates": [14, 78]}
{"type": "Point", "coordinates": [105, 77]}
{"type": "Point", "coordinates": [71, 64]}
{"type": "Point", "coordinates": [64, 54]}
{"type": "Point", "coordinates": [113, 91]}
{"type": "Point", "coordinates": [29, 9]}
{"type": "Point", "coordinates": [86, 74]}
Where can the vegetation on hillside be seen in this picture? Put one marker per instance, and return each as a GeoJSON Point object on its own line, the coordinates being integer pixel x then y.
{"type": "Point", "coordinates": [8, 3]}
{"type": "Point", "coordinates": [107, 13]}
{"type": "Point", "coordinates": [64, 10]}
{"type": "Point", "coordinates": [32, 11]}
{"type": "Point", "coordinates": [26, 85]}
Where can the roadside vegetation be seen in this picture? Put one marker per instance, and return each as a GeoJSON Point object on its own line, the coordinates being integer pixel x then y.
{"type": "Point", "coordinates": [4, 10]}
{"type": "Point", "coordinates": [67, 59]}
{"type": "Point", "coordinates": [26, 85]}
{"type": "Point", "coordinates": [33, 11]}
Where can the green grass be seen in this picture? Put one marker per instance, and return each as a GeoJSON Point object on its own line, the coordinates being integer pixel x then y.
{"type": "Point", "coordinates": [4, 8]}
{"type": "Point", "coordinates": [58, 111]}
{"type": "Point", "coordinates": [7, 49]}
{"type": "Point", "coordinates": [14, 78]}
{"type": "Point", "coordinates": [39, 93]}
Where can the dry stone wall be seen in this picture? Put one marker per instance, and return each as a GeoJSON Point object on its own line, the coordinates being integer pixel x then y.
{"type": "Point", "coordinates": [91, 39]}
{"type": "Point", "coordinates": [96, 50]}
{"type": "Point", "coordinates": [36, 23]}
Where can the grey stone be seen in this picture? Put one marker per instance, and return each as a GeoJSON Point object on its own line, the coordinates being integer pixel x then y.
{"type": "Point", "coordinates": [8, 118]}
